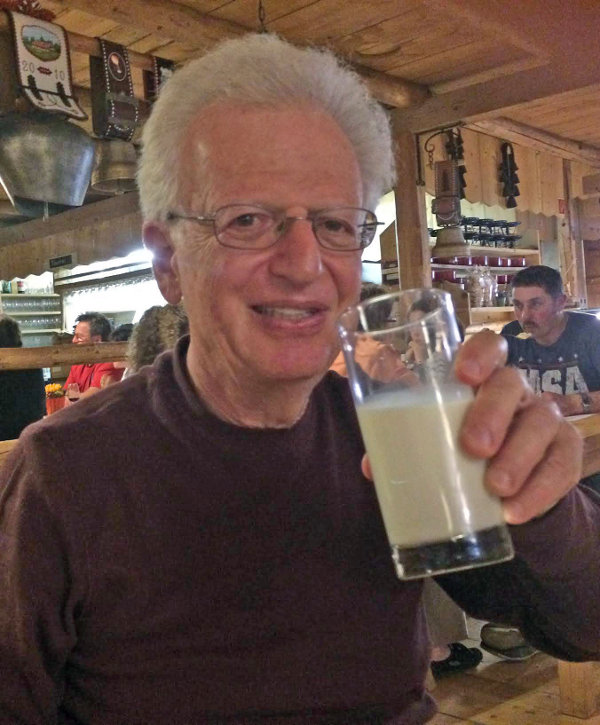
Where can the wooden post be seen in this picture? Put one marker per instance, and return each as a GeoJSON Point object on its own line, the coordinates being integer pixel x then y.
{"type": "Point", "coordinates": [571, 244]}
{"type": "Point", "coordinates": [579, 684]}
{"type": "Point", "coordinates": [411, 223]}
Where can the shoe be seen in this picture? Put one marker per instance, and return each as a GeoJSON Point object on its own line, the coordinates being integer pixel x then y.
{"type": "Point", "coordinates": [460, 658]}
{"type": "Point", "coordinates": [505, 642]}
{"type": "Point", "coordinates": [501, 636]}
{"type": "Point", "coordinates": [512, 654]}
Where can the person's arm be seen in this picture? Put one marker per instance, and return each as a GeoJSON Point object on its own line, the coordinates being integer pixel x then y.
{"type": "Point", "coordinates": [104, 374]}
{"type": "Point", "coordinates": [38, 593]}
{"type": "Point", "coordinates": [575, 403]}
{"type": "Point", "coordinates": [551, 590]}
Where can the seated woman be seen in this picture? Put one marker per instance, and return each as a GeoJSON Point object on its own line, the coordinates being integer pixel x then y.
{"type": "Point", "coordinates": [22, 395]}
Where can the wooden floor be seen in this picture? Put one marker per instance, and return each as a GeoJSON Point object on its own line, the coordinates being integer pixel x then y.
{"type": "Point", "coordinates": [503, 693]}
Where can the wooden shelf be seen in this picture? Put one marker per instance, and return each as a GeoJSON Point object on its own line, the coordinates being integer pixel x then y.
{"type": "Point", "coordinates": [25, 295]}
{"type": "Point", "coordinates": [467, 267]}
{"type": "Point", "coordinates": [492, 251]}
{"type": "Point", "coordinates": [39, 332]}
{"type": "Point", "coordinates": [36, 312]}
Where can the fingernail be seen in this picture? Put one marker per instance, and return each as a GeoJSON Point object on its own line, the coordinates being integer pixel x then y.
{"type": "Point", "coordinates": [513, 513]}
{"type": "Point", "coordinates": [479, 438]}
{"type": "Point", "coordinates": [471, 369]}
{"type": "Point", "coordinates": [500, 481]}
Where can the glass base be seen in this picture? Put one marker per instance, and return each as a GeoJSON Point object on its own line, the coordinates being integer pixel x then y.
{"type": "Point", "coordinates": [466, 551]}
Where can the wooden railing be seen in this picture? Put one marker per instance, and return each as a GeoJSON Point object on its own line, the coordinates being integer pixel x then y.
{"type": "Point", "coordinates": [21, 358]}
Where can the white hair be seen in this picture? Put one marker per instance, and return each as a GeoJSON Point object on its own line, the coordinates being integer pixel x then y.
{"type": "Point", "coordinates": [265, 70]}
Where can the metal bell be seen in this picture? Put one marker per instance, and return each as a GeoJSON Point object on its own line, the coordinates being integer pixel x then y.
{"type": "Point", "coordinates": [115, 167]}
{"type": "Point", "coordinates": [44, 158]}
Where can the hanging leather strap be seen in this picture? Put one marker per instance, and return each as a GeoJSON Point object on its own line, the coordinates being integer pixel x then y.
{"type": "Point", "coordinates": [162, 70]}
{"type": "Point", "coordinates": [115, 112]}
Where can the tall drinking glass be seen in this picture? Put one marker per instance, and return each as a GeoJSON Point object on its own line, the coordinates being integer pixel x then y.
{"type": "Point", "coordinates": [438, 515]}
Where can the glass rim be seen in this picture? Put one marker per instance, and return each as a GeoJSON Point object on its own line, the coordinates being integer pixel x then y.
{"type": "Point", "coordinates": [361, 306]}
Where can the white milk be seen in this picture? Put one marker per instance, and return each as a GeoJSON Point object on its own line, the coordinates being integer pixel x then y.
{"type": "Point", "coordinates": [428, 490]}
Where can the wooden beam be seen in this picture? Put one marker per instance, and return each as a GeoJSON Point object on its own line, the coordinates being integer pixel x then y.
{"type": "Point", "coordinates": [591, 184]}
{"type": "Point", "coordinates": [535, 138]}
{"type": "Point", "coordinates": [495, 97]}
{"type": "Point", "coordinates": [23, 358]}
{"type": "Point", "coordinates": [184, 24]}
{"type": "Point", "coordinates": [174, 20]}
{"type": "Point", "coordinates": [97, 231]}
{"type": "Point", "coordinates": [411, 224]}
{"type": "Point", "coordinates": [73, 219]}
{"type": "Point", "coordinates": [571, 246]}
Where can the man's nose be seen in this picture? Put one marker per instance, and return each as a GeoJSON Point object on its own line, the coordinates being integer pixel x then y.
{"type": "Point", "coordinates": [297, 254]}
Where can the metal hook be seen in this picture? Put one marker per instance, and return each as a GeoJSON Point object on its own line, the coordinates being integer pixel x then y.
{"type": "Point", "coordinates": [262, 15]}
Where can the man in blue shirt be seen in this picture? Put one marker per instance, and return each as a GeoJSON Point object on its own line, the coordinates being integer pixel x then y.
{"type": "Point", "coordinates": [561, 358]}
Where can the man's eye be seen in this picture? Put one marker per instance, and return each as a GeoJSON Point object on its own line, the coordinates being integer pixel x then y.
{"type": "Point", "coordinates": [245, 220]}
{"type": "Point", "coordinates": [336, 226]}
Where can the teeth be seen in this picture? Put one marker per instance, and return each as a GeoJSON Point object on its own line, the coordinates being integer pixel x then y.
{"type": "Point", "coordinates": [288, 313]}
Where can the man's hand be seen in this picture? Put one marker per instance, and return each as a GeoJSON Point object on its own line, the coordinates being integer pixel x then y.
{"type": "Point", "coordinates": [567, 404]}
{"type": "Point", "coordinates": [535, 455]}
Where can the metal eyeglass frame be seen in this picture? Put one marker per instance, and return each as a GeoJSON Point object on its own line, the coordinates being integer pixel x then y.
{"type": "Point", "coordinates": [311, 217]}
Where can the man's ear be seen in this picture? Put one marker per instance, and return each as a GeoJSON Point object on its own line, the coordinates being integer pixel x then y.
{"type": "Point", "coordinates": [158, 241]}
{"type": "Point", "coordinates": [561, 301]}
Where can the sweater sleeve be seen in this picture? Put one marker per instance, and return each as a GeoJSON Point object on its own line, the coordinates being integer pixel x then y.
{"type": "Point", "coordinates": [551, 590]}
{"type": "Point", "coordinates": [37, 591]}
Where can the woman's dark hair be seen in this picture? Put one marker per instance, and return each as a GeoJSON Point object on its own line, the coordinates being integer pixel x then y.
{"type": "Point", "coordinates": [379, 314]}
{"type": "Point", "coordinates": [10, 333]}
{"type": "Point", "coordinates": [122, 333]}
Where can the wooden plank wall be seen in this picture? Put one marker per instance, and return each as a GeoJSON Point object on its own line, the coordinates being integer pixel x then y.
{"type": "Point", "coordinates": [540, 174]}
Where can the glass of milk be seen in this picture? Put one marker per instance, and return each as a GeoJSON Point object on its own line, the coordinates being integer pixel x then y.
{"type": "Point", "coordinates": [439, 517]}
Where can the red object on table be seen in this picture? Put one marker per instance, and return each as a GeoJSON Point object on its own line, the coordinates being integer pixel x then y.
{"type": "Point", "coordinates": [54, 404]}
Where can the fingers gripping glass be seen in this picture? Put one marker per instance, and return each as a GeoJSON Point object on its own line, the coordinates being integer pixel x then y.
{"type": "Point", "coordinates": [248, 226]}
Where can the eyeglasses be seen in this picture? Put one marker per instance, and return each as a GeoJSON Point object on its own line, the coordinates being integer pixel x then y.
{"type": "Point", "coordinates": [253, 227]}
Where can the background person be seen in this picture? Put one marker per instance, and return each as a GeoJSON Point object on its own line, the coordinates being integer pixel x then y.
{"type": "Point", "coordinates": [227, 560]}
{"type": "Point", "coordinates": [561, 358]}
{"type": "Point", "coordinates": [91, 327]}
{"type": "Point", "coordinates": [122, 333]}
{"type": "Point", "coordinates": [22, 395]}
{"type": "Point", "coordinates": [378, 360]}
{"type": "Point", "coordinates": [157, 330]}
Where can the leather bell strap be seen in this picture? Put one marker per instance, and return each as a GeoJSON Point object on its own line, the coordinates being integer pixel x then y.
{"type": "Point", "coordinates": [162, 70]}
{"type": "Point", "coordinates": [115, 112]}
{"type": "Point", "coordinates": [44, 65]}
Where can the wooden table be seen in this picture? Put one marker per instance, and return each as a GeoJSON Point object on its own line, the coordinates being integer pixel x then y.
{"type": "Point", "coordinates": [589, 427]}
{"type": "Point", "coordinates": [579, 682]}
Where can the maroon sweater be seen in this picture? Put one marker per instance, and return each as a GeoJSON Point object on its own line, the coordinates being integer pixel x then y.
{"type": "Point", "coordinates": [172, 568]}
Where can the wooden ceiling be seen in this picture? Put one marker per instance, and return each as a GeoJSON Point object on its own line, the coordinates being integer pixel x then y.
{"type": "Point", "coordinates": [530, 68]}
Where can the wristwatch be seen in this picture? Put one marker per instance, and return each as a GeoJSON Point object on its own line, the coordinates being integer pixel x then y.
{"type": "Point", "coordinates": [586, 403]}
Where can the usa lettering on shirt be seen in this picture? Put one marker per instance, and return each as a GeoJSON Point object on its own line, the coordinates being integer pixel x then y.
{"type": "Point", "coordinates": [563, 378]}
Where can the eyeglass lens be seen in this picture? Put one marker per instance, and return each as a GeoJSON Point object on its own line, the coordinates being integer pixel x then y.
{"type": "Point", "coordinates": [253, 227]}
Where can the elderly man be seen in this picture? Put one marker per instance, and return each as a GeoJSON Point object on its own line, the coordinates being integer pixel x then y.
{"type": "Point", "coordinates": [213, 553]}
